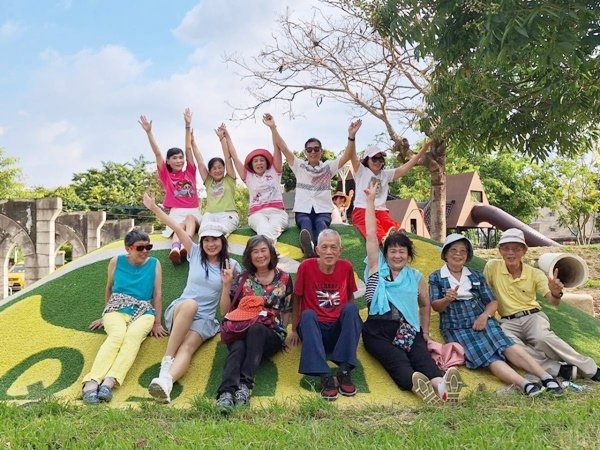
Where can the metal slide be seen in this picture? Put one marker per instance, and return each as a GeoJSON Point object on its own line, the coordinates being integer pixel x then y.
{"type": "Point", "coordinates": [502, 220]}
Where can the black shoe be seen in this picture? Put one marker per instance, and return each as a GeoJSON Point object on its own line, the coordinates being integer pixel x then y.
{"type": "Point", "coordinates": [597, 376]}
{"type": "Point", "coordinates": [568, 372]}
{"type": "Point", "coordinates": [306, 244]}
{"type": "Point", "coordinates": [532, 389]}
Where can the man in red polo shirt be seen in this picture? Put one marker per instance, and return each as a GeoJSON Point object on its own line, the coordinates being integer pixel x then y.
{"type": "Point", "coordinates": [325, 318]}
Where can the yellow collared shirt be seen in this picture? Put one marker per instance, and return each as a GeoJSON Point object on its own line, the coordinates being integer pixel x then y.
{"type": "Point", "coordinates": [515, 294]}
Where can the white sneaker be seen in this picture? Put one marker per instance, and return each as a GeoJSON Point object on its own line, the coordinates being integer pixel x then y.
{"type": "Point", "coordinates": [160, 389]}
{"type": "Point", "coordinates": [165, 367]}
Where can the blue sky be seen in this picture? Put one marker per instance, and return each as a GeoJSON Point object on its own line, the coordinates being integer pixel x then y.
{"type": "Point", "coordinates": [76, 74]}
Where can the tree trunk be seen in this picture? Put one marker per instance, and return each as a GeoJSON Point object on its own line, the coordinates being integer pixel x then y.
{"type": "Point", "coordinates": [436, 164]}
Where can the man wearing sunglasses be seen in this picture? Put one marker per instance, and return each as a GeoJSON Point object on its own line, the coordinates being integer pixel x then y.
{"type": "Point", "coordinates": [312, 204]}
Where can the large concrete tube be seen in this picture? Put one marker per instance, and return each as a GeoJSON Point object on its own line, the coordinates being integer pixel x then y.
{"type": "Point", "coordinates": [572, 269]}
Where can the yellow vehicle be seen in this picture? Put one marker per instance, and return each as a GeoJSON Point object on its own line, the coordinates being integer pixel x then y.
{"type": "Point", "coordinates": [16, 277]}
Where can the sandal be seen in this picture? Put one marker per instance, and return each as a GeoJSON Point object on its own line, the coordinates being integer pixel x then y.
{"type": "Point", "coordinates": [90, 397]}
{"type": "Point", "coordinates": [104, 393]}
{"type": "Point", "coordinates": [553, 386]}
{"type": "Point", "coordinates": [532, 389]}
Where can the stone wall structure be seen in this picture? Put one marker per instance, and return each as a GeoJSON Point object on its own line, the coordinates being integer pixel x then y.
{"type": "Point", "coordinates": [39, 229]}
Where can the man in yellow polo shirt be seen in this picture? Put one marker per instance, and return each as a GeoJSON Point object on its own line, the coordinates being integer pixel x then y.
{"type": "Point", "coordinates": [516, 284]}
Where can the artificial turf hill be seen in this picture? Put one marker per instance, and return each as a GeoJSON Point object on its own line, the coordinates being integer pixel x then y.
{"type": "Point", "coordinates": [46, 346]}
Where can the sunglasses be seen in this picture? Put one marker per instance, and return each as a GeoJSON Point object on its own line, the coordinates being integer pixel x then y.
{"type": "Point", "coordinates": [312, 149]}
{"type": "Point", "coordinates": [380, 159]}
{"type": "Point", "coordinates": [141, 248]}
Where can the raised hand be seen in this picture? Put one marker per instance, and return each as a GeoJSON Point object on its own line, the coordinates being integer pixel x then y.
{"type": "Point", "coordinates": [371, 190]}
{"type": "Point", "coordinates": [145, 123]}
{"type": "Point", "coordinates": [221, 131]}
{"type": "Point", "coordinates": [149, 202]}
{"type": "Point", "coordinates": [354, 127]}
{"type": "Point", "coordinates": [268, 120]}
{"type": "Point", "coordinates": [227, 274]}
{"type": "Point", "coordinates": [556, 286]}
{"type": "Point", "coordinates": [187, 116]}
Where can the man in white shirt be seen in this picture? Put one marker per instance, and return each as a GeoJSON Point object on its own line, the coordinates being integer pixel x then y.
{"type": "Point", "coordinates": [312, 204]}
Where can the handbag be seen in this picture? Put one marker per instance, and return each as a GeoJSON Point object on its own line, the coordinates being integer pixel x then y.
{"type": "Point", "coordinates": [234, 330]}
{"type": "Point", "coordinates": [230, 330]}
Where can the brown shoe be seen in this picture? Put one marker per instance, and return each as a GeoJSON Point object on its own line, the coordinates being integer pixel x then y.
{"type": "Point", "coordinates": [345, 385]}
{"type": "Point", "coordinates": [329, 390]}
{"type": "Point", "coordinates": [183, 254]}
{"type": "Point", "coordinates": [175, 256]}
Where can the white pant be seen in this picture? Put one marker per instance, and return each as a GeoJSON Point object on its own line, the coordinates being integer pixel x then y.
{"type": "Point", "coordinates": [270, 222]}
{"type": "Point", "coordinates": [179, 214]}
{"type": "Point", "coordinates": [229, 220]}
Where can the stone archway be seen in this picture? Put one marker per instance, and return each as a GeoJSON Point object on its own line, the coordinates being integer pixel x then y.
{"type": "Point", "coordinates": [11, 235]}
{"type": "Point", "coordinates": [66, 234]}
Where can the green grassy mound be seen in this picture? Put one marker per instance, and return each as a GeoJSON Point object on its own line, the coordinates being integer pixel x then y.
{"type": "Point", "coordinates": [47, 347]}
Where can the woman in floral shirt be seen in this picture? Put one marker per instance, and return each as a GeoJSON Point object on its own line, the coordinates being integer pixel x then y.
{"type": "Point", "coordinates": [264, 279]}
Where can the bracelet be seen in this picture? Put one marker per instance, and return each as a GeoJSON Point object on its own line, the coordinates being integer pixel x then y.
{"type": "Point", "coordinates": [187, 127]}
{"type": "Point", "coordinates": [220, 139]}
{"type": "Point", "coordinates": [351, 139]}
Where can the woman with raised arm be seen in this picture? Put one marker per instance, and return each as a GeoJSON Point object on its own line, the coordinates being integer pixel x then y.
{"type": "Point", "coordinates": [371, 168]}
{"type": "Point", "coordinates": [467, 306]}
{"type": "Point", "coordinates": [133, 306]}
{"type": "Point", "coordinates": [219, 181]}
{"type": "Point", "coordinates": [397, 328]}
{"type": "Point", "coordinates": [190, 319]}
{"type": "Point", "coordinates": [262, 278]}
{"type": "Point", "coordinates": [179, 182]}
{"type": "Point", "coordinates": [261, 171]}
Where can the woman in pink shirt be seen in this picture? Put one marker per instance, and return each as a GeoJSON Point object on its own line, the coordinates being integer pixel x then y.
{"type": "Point", "coordinates": [261, 171]}
{"type": "Point", "coordinates": [179, 182]}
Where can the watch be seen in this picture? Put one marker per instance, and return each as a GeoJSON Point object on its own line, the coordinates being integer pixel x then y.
{"type": "Point", "coordinates": [560, 295]}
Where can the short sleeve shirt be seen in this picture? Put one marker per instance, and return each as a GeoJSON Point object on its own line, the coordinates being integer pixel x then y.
{"type": "Point", "coordinates": [362, 179]}
{"type": "Point", "coordinates": [180, 187]}
{"type": "Point", "coordinates": [515, 294]}
{"type": "Point", "coordinates": [326, 294]}
{"type": "Point", "coordinates": [313, 185]}
{"type": "Point", "coordinates": [204, 283]}
{"type": "Point", "coordinates": [264, 190]}
{"type": "Point", "coordinates": [220, 195]}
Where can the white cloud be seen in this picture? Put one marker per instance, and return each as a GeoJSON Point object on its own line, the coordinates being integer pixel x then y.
{"type": "Point", "coordinates": [2, 130]}
{"type": "Point", "coordinates": [10, 30]}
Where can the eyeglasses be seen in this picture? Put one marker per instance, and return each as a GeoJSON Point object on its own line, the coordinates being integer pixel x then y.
{"type": "Point", "coordinates": [454, 251]}
{"type": "Point", "coordinates": [312, 149]}
{"type": "Point", "coordinates": [141, 248]}
{"type": "Point", "coordinates": [380, 159]}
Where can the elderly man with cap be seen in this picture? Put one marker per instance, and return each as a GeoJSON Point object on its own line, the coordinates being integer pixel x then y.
{"type": "Point", "coordinates": [325, 318]}
{"type": "Point", "coordinates": [515, 284]}
{"type": "Point", "coordinates": [312, 204]}
{"type": "Point", "coordinates": [371, 168]}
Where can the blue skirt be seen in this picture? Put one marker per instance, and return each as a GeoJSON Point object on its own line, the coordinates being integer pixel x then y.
{"type": "Point", "coordinates": [481, 347]}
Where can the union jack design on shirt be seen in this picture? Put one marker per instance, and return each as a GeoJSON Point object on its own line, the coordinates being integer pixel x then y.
{"type": "Point", "coordinates": [328, 299]}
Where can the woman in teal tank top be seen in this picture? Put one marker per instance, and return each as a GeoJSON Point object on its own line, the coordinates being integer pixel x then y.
{"type": "Point", "coordinates": [133, 309]}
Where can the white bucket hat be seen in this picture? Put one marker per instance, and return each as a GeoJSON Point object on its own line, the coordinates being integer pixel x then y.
{"type": "Point", "coordinates": [512, 235]}
{"type": "Point", "coordinates": [451, 239]}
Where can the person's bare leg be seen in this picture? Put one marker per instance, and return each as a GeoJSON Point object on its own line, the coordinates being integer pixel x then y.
{"type": "Point", "coordinates": [182, 321]}
{"type": "Point", "coordinates": [191, 343]}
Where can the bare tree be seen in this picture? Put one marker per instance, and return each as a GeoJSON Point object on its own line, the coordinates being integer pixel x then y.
{"type": "Point", "coordinates": [337, 55]}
